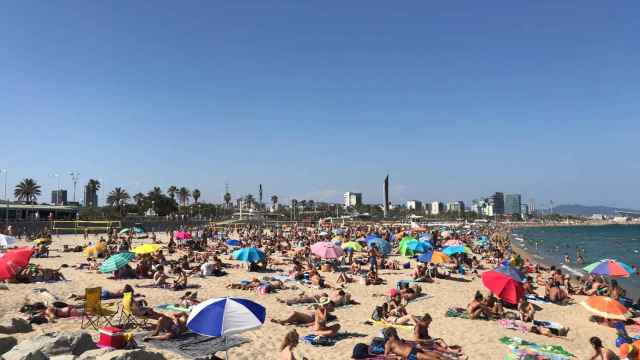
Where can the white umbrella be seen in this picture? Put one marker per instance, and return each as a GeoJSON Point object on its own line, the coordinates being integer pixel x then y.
{"type": "Point", "coordinates": [6, 240]}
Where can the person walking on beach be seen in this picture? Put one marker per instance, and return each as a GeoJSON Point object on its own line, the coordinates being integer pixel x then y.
{"type": "Point", "coordinates": [373, 258]}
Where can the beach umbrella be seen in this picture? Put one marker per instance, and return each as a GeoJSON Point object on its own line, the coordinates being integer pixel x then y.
{"type": "Point", "coordinates": [14, 260]}
{"type": "Point", "coordinates": [451, 250]}
{"type": "Point", "coordinates": [250, 254]}
{"type": "Point", "coordinates": [435, 257]}
{"type": "Point", "coordinates": [6, 240]}
{"type": "Point", "coordinates": [338, 231]}
{"type": "Point", "coordinates": [609, 267]}
{"type": "Point", "coordinates": [411, 248]}
{"type": "Point", "coordinates": [124, 231]}
{"type": "Point", "coordinates": [606, 307]}
{"type": "Point", "coordinates": [338, 239]}
{"type": "Point", "coordinates": [512, 272]}
{"type": "Point", "coordinates": [326, 250]}
{"type": "Point", "coordinates": [183, 235]}
{"type": "Point", "coordinates": [233, 242]}
{"type": "Point", "coordinates": [353, 245]}
{"type": "Point", "coordinates": [225, 316]}
{"type": "Point", "coordinates": [425, 238]}
{"type": "Point", "coordinates": [407, 239]}
{"type": "Point", "coordinates": [138, 230]}
{"type": "Point", "coordinates": [380, 243]}
{"type": "Point", "coordinates": [115, 262]}
{"type": "Point", "coordinates": [453, 243]}
{"type": "Point", "coordinates": [323, 233]}
{"type": "Point", "coordinates": [146, 249]}
{"type": "Point", "coordinates": [503, 286]}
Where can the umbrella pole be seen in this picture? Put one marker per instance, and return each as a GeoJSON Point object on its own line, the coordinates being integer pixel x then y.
{"type": "Point", "coordinates": [226, 349]}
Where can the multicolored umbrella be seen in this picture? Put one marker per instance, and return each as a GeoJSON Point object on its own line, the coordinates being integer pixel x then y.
{"type": "Point", "coordinates": [146, 249]}
{"type": "Point", "coordinates": [435, 257]}
{"type": "Point", "coordinates": [250, 255]}
{"type": "Point", "coordinates": [503, 286]}
{"type": "Point", "coordinates": [380, 244]}
{"type": "Point", "coordinates": [609, 267]}
{"type": "Point", "coordinates": [326, 250]}
{"type": "Point", "coordinates": [115, 262]}
{"type": "Point", "coordinates": [606, 307]}
{"type": "Point", "coordinates": [451, 250]}
{"type": "Point", "coordinates": [453, 243]}
{"type": "Point", "coordinates": [411, 248]}
{"type": "Point", "coordinates": [13, 261]}
{"type": "Point", "coordinates": [353, 245]}
{"type": "Point", "coordinates": [183, 235]}
{"type": "Point", "coordinates": [512, 272]}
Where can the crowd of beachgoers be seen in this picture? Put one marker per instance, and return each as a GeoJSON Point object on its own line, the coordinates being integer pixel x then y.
{"type": "Point", "coordinates": [330, 290]}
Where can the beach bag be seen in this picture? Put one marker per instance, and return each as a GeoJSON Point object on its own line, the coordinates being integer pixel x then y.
{"type": "Point", "coordinates": [377, 314]}
{"type": "Point", "coordinates": [360, 351]}
{"type": "Point", "coordinates": [377, 346]}
{"type": "Point", "coordinates": [406, 265]}
{"type": "Point", "coordinates": [263, 289]}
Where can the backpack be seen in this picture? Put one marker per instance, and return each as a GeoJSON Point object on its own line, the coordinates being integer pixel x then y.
{"type": "Point", "coordinates": [360, 351]}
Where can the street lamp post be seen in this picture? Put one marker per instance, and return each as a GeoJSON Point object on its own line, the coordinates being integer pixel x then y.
{"type": "Point", "coordinates": [6, 199]}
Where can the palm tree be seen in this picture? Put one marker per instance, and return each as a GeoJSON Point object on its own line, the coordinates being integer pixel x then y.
{"type": "Point", "coordinates": [274, 199]}
{"type": "Point", "coordinates": [138, 198]}
{"type": "Point", "coordinates": [172, 190]}
{"type": "Point", "coordinates": [227, 198]}
{"type": "Point", "coordinates": [196, 195]}
{"type": "Point", "coordinates": [155, 193]}
{"type": "Point", "coordinates": [27, 190]}
{"type": "Point", "coordinates": [184, 194]}
{"type": "Point", "coordinates": [249, 200]}
{"type": "Point", "coordinates": [94, 185]}
{"type": "Point", "coordinates": [118, 198]}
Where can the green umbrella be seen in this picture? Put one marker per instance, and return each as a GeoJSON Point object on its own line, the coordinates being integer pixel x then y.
{"type": "Point", "coordinates": [116, 261]}
{"type": "Point", "coordinates": [405, 240]}
{"type": "Point", "coordinates": [124, 231]}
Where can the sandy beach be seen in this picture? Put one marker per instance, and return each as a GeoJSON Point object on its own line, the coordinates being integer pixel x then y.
{"type": "Point", "coordinates": [479, 339]}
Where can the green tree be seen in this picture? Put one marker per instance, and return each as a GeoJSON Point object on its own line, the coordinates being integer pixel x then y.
{"type": "Point", "coordinates": [172, 191]}
{"type": "Point", "coordinates": [227, 199]}
{"type": "Point", "coordinates": [183, 195]}
{"type": "Point", "coordinates": [249, 200]}
{"type": "Point", "coordinates": [94, 185]}
{"type": "Point", "coordinates": [139, 199]}
{"type": "Point", "coordinates": [118, 198]}
{"type": "Point", "coordinates": [196, 195]}
{"type": "Point", "coordinates": [28, 191]}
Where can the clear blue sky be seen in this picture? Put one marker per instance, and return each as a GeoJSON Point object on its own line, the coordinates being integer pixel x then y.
{"type": "Point", "coordinates": [455, 99]}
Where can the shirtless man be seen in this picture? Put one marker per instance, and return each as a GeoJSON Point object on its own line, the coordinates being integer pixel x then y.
{"type": "Point", "coordinates": [477, 309]}
{"type": "Point", "coordinates": [169, 327]}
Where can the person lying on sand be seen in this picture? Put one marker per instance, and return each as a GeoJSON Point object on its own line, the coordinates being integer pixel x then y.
{"type": "Point", "coordinates": [394, 345]}
{"type": "Point", "coordinates": [169, 327]}
{"type": "Point", "coordinates": [410, 292]}
{"type": "Point", "coordinates": [421, 335]}
{"type": "Point", "coordinates": [245, 285]}
{"type": "Point", "coordinates": [299, 318]}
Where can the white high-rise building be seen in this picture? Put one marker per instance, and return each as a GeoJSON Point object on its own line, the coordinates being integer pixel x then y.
{"type": "Point", "coordinates": [414, 205]}
{"type": "Point", "coordinates": [436, 208]}
{"type": "Point", "coordinates": [352, 199]}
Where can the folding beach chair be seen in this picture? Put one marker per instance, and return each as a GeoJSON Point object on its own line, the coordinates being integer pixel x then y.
{"type": "Point", "coordinates": [128, 317]}
{"type": "Point", "coordinates": [93, 311]}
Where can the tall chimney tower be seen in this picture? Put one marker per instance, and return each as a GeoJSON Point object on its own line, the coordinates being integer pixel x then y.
{"type": "Point", "coordinates": [386, 196]}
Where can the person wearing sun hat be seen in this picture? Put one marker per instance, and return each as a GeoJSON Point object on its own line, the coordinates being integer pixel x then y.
{"type": "Point", "coordinates": [320, 322]}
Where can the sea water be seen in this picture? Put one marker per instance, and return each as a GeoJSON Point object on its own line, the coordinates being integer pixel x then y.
{"type": "Point", "coordinates": [550, 245]}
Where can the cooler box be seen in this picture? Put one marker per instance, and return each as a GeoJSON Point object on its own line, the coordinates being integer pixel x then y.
{"type": "Point", "coordinates": [111, 337]}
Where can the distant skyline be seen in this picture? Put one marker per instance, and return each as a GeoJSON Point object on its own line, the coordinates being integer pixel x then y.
{"type": "Point", "coordinates": [454, 100]}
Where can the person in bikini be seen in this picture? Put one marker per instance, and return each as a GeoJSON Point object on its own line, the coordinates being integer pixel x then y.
{"type": "Point", "coordinates": [169, 327]}
{"type": "Point", "coordinates": [477, 309]}
{"type": "Point", "coordinates": [394, 345]}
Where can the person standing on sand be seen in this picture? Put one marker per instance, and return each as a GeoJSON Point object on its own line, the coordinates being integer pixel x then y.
{"type": "Point", "coordinates": [601, 353]}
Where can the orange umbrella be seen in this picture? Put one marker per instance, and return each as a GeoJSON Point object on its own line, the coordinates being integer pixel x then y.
{"type": "Point", "coordinates": [606, 307]}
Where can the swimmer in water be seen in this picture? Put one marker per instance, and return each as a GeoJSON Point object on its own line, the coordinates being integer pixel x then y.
{"type": "Point", "coordinates": [567, 259]}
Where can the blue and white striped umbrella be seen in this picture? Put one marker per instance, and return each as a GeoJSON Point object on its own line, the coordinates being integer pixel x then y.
{"type": "Point", "coordinates": [225, 316]}
{"type": "Point", "coordinates": [233, 242]}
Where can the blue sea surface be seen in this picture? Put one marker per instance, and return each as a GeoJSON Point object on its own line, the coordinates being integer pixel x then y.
{"type": "Point", "coordinates": [550, 245]}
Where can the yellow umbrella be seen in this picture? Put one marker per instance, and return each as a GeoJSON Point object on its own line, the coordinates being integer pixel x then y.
{"type": "Point", "coordinates": [355, 246]}
{"type": "Point", "coordinates": [93, 251]}
{"type": "Point", "coordinates": [146, 249]}
{"type": "Point", "coordinates": [338, 238]}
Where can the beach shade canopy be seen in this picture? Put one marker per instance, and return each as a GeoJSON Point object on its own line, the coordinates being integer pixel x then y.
{"type": "Point", "coordinates": [115, 262]}
{"type": "Point", "coordinates": [453, 243]}
{"type": "Point", "coordinates": [411, 248]}
{"type": "Point", "coordinates": [250, 254]}
{"type": "Point", "coordinates": [380, 243]}
{"type": "Point", "coordinates": [326, 250]}
{"type": "Point", "coordinates": [353, 245]}
{"type": "Point", "coordinates": [338, 231]}
{"type": "Point", "coordinates": [512, 272]}
{"type": "Point", "coordinates": [503, 286]}
{"type": "Point", "coordinates": [124, 231]}
{"type": "Point", "coordinates": [606, 307]}
{"type": "Point", "coordinates": [226, 316]}
{"type": "Point", "coordinates": [407, 239]}
{"type": "Point", "coordinates": [609, 267]}
{"type": "Point", "coordinates": [451, 250]}
{"type": "Point", "coordinates": [146, 249]}
{"type": "Point", "coordinates": [435, 257]}
{"type": "Point", "coordinates": [323, 233]}
{"type": "Point", "coordinates": [232, 242]}
{"type": "Point", "coordinates": [6, 240]}
{"type": "Point", "coordinates": [425, 238]}
{"type": "Point", "coordinates": [14, 260]}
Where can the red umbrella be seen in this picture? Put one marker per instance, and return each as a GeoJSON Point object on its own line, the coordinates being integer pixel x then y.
{"type": "Point", "coordinates": [13, 260]}
{"type": "Point", "coordinates": [503, 286]}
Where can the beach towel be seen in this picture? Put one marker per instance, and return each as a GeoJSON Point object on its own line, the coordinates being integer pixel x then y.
{"type": "Point", "coordinates": [384, 323]}
{"type": "Point", "coordinates": [313, 339]}
{"type": "Point", "coordinates": [171, 308]}
{"type": "Point", "coordinates": [191, 345]}
{"type": "Point", "coordinates": [420, 297]}
{"type": "Point", "coordinates": [520, 349]}
{"type": "Point", "coordinates": [457, 313]}
{"type": "Point", "coordinates": [536, 299]}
